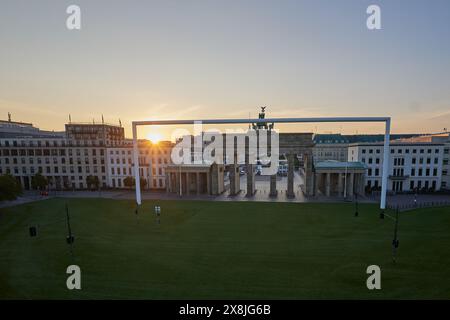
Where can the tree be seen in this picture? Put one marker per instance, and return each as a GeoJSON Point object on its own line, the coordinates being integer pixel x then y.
{"type": "Point", "coordinates": [38, 181]}
{"type": "Point", "coordinates": [92, 182]}
{"type": "Point", "coordinates": [10, 188]}
{"type": "Point", "coordinates": [143, 182]}
{"type": "Point", "coordinates": [129, 182]}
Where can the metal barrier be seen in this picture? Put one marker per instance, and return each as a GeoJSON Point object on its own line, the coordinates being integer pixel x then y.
{"type": "Point", "coordinates": [419, 205]}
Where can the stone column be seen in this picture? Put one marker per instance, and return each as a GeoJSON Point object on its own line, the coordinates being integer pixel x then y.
{"type": "Point", "coordinates": [309, 180]}
{"type": "Point", "coordinates": [351, 184]}
{"type": "Point", "coordinates": [317, 183]}
{"type": "Point", "coordinates": [215, 179]}
{"type": "Point", "coordinates": [273, 185]}
{"type": "Point", "coordinates": [188, 183]}
{"type": "Point", "coordinates": [167, 182]}
{"type": "Point", "coordinates": [361, 184]}
{"type": "Point", "coordinates": [290, 177]}
{"type": "Point", "coordinates": [232, 171]}
{"type": "Point", "coordinates": [208, 183]}
{"type": "Point", "coordinates": [357, 184]}
{"type": "Point", "coordinates": [340, 184]}
{"type": "Point", "coordinates": [197, 184]}
{"type": "Point", "coordinates": [177, 182]}
{"type": "Point", "coordinates": [250, 180]}
{"type": "Point", "coordinates": [234, 179]}
{"type": "Point", "coordinates": [327, 184]}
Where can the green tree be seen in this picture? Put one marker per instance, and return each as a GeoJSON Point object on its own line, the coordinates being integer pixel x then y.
{"type": "Point", "coordinates": [38, 181]}
{"type": "Point", "coordinates": [10, 188]}
{"type": "Point", "coordinates": [92, 182]}
{"type": "Point", "coordinates": [129, 182]}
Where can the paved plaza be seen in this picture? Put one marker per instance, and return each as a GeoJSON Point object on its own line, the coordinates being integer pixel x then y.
{"type": "Point", "coordinates": [262, 194]}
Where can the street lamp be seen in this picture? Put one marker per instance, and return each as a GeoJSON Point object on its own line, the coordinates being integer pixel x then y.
{"type": "Point", "coordinates": [158, 213]}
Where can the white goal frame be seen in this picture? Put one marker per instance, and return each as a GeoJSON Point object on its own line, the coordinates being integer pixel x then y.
{"type": "Point", "coordinates": [386, 152]}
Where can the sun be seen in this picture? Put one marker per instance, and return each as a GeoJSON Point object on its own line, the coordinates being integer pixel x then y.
{"type": "Point", "coordinates": [154, 137]}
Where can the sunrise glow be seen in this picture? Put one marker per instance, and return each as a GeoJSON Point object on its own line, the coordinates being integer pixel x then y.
{"type": "Point", "coordinates": [154, 137]}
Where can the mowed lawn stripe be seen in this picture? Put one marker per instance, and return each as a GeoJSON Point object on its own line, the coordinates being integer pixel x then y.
{"type": "Point", "coordinates": [214, 250]}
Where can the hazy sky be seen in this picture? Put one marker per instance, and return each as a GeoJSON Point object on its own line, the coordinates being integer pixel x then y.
{"type": "Point", "coordinates": [138, 60]}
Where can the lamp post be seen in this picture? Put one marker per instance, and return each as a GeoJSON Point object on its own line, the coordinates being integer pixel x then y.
{"type": "Point", "coordinates": [70, 238]}
{"type": "Point", "coordinates": [395, 241]}
{"type": "Point", "coordinates": [158, 214]}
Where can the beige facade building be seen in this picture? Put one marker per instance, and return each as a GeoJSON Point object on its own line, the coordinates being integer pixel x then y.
{"type": "Point", "coordinates": [330, 147]}
{"type": "Point", "coordinates": [67, 158]}
{"type": "Point", "coordinates": [65, 161]}
{"type": "Point", "coordinates": [153, 160]}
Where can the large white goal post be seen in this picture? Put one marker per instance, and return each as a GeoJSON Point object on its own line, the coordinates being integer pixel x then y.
{"type": "Point", "coordinates": [386, 152]}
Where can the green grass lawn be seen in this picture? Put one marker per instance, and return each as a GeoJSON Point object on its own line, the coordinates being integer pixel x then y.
{"type": "Point", "coordinates": [221, 250]}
